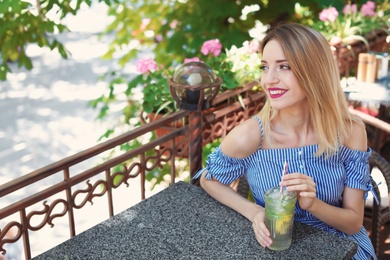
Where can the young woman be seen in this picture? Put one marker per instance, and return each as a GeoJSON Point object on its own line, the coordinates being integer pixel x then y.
{"type": "Point", "coordinates": [305, 122]}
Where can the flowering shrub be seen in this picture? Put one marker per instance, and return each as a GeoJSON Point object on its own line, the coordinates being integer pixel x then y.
{"type": "Point", "coordinates": [351, 23]}
{"type": "Point", "coordinates": [155, 88]}
{"type": "Point", "coordinates": [246, 61]}
{"type": "Point", "coordinates": [216, 59]}
{"type": "Point", "coordinates": [235, 66]}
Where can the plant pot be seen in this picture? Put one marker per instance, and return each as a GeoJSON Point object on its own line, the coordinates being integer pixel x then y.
{"type": "Point", "coordinates": [181, 142]}
{"type": "Point", "coordinates": [347, 55]}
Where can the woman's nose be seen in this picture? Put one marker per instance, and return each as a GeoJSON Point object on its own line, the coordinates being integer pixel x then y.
{"type": "Point", "coordinates": [270, 77]}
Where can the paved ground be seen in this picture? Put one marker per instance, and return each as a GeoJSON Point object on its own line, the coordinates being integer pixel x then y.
{"type": "Point", "coordinates": [44, 111]}
{"type": "Point", "coordinates": [44, 115]}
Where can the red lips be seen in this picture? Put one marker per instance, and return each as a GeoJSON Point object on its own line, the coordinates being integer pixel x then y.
{"type": "Point", "coordinates": [276, 92]}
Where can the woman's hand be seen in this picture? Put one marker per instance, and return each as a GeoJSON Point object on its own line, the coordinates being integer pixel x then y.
{"type": "Point", "coordinates": [303, 185]}
{"type": "Point", "coordinates": [261, 232]}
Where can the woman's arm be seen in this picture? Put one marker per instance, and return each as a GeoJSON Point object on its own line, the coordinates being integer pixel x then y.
{"type": "Point", "coordinates": [229, 197]}
{"type": "Point", "coordinates": [349, 218]}
{"type": "Point", "coordinates": [242, 141]}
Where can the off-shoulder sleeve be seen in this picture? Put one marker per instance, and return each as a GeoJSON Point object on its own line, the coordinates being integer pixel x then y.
{"type": "Point", "coordinates": [223, 168]}
{"type": "Point", "coordinates": [357, 169]}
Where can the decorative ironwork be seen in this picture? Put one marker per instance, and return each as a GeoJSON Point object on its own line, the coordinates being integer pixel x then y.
{"type": "Point", "coordinates": [90, 193]}
{"type": "Point", "coordinates": [4, 235]}
{"type": "Point", "coordinates": [47, 211]}
{"type": "Point", "coordinates": [126, 174]}
{"type": "Point", "coordinates": [217, 122]}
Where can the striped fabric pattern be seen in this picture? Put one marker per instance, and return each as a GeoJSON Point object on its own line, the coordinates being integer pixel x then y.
{"type": "Point", "coordinates": [263, 170]}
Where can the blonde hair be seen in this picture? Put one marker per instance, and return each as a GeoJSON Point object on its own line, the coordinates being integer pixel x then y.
{"type": "Point", "coordinates": [313, 64]}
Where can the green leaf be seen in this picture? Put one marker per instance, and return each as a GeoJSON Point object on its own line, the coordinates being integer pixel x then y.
{"type": "Point", "coordinates": [239, 97]}
{"type": "Point", "coordinates": [357, 38]}
{"type": "Point", "coordinates": [125, 147]}
{"type": "Point", "coordinates": [107, 134]}
{"type": "Point", "coordinates": [103, 112]}
{"type": "Point", "coordinates": [5, 5]}
{"type": "Point", "coordinates": [165, 106]}
{"type": "Point", "coordinates": [16, 7]}
{"type": "Point", "coordinates": [61, 49]}
{"type": "Point", "coordinates": [133, 84]}
{"type": "Point", "coordinates": [109, 54]}
{"type": "Point", "coordinates": [4, 69]}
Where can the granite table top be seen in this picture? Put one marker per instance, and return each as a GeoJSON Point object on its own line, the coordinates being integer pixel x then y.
{"type": "Point", "coordinates": [184, 222]}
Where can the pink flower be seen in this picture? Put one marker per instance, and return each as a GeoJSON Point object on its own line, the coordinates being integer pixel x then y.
{"type": "Point", "coordinates": [252, 46]}
{"type": "Point", "coordinates": [158, 38]}
{"type": "Point", "coordinates": [350, 9]}
{"type": "Point", "coordinates": [211, 46]}
{"type": "Point", "coordinates": [174, 24]}
{"type": "Point", "coordinates": [186, 60]}
{"type": "Point", "coordinates": [368, 9]}
{"type": "Point", "coordinates": [370, 4]}
{"type": "Point", "coordinates": [146, 65]}
{"type": "Point", "coordinates": [330, 14]}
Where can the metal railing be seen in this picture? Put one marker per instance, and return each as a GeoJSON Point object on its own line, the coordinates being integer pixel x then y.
{"type": "Point", "coordinates": [58, 191]}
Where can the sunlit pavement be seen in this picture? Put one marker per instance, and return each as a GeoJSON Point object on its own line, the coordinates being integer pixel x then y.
{"type": "Point", "coordinates": [44, 111]}
{"type": "Point", "coordinates": [44, 116]}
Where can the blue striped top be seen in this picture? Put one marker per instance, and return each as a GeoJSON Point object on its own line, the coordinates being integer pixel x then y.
{"type": "Point", "coordinates": [263, 169]}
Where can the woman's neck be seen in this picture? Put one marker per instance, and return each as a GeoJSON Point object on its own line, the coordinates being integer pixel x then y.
{"type": "Point", "coordinates": [293, 129]}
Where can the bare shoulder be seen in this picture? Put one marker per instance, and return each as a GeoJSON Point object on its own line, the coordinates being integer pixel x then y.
{"type": "Point", "coordinates": [242, 140]}
{"type": "Point", "coordinates": [357, 140]}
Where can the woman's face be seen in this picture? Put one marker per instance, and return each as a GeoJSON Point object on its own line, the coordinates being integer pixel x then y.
{"type": "Point", "coordinates": [278, 80]}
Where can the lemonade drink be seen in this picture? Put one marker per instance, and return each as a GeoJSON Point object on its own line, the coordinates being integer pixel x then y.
{"type": "Point", "coordinates": [279, 216]}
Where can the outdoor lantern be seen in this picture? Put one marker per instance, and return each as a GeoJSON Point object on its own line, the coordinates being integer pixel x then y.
{"type": "Point", "coordinates": [194, 85]}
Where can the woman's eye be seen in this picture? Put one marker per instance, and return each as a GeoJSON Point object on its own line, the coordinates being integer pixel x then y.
{"type": "Point", "coordinates": [284, 67]}
{"type": "Point", "coordinates": [263, 67]}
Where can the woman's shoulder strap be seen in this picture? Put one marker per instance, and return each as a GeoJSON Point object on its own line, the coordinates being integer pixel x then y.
{"type": "Point", "coordinates": [261, 129]}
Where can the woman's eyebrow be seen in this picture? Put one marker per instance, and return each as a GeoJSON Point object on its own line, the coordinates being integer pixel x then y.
{"type": "Point", "coordinates": [277, 61]}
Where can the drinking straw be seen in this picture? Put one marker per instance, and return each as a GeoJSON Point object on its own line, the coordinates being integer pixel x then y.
{"type": "Point", "coordinates": [283, 173]}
